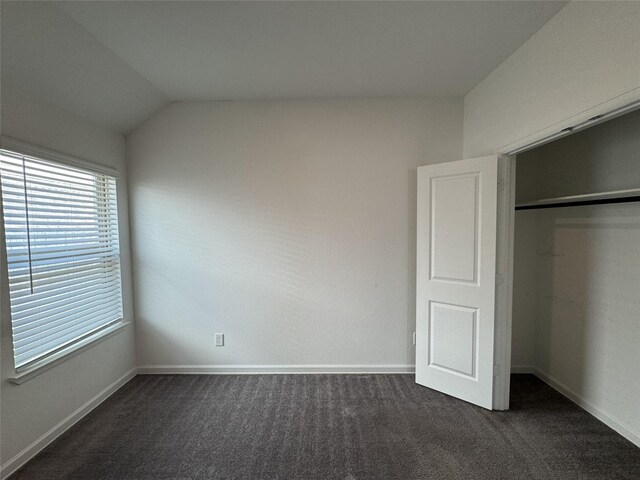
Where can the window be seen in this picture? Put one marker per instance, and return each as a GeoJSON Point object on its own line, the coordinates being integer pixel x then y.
{"type": "Point", "coordinates": [63, 259]}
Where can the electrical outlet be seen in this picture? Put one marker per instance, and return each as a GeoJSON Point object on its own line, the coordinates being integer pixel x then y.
{"type": "Point", "coordinates": [219, 339]}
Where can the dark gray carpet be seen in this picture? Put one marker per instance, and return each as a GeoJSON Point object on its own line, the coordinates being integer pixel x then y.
{"type": "Point", "coordinates": [343, 427]}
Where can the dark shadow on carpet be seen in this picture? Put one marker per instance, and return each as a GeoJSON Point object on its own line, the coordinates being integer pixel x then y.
{"type": "Point", "coordinates": [343, 427]}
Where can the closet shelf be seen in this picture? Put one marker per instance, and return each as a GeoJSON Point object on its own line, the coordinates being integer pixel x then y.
{"type": "Point", "coordinates": [618, 196]}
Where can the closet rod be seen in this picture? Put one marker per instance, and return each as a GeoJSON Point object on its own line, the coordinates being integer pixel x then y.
{"type": "Point", "coordinates": [619, 196]}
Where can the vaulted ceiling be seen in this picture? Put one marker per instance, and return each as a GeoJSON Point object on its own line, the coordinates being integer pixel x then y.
{"type": "Point", "coordinates": [116, 63]}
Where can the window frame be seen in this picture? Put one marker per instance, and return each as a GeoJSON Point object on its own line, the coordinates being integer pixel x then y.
{"type": "Point", "coordinates": [34, 368]}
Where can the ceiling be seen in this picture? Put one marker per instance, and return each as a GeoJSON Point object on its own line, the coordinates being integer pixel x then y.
{"type": "Point", "coordinates": [118, 62]}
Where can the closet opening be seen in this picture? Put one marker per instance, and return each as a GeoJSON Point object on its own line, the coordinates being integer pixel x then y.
{"type": "Point", "coordinates": [576, 271]}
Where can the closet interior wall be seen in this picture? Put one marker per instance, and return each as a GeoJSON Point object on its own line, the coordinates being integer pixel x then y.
{"type": "Point", "coordinates": [576, 306]}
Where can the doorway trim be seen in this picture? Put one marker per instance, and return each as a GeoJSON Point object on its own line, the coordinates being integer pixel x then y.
{"type": "Point", "coordinates": [504, 281]}
{"type": "Point", "coordinates": [506, 222]}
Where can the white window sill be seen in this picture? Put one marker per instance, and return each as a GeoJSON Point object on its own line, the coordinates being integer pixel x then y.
{"type": "Point", "coordinates": [65, 354]}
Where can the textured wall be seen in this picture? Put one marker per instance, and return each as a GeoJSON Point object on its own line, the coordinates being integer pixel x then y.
{"type": "Point", "coordinates": [525, 290]}
{"type": "Point", "coordinates": [586, 55]}
{"type": "Point", "coordinates": [287, 226]}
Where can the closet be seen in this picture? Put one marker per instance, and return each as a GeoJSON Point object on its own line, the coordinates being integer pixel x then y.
{"type": "Point", "coordinates": [576, 283]}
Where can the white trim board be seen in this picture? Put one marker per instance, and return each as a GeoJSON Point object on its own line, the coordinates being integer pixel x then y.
{"type": "Point", "coordinates": [273, 369]}
{"type": "Point", "coordinates": [32, 450]}
{"type": "Point", "coordinates": [607, 419]}
{"type": "Point", "coordinates": [608, 110]}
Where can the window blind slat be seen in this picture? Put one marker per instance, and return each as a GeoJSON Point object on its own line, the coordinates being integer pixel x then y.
{"type": "Point", "coordinates": [23, 283]}
{"type": "Point", "coordinates": [62, 302]}
{"type": "Point", "coordinates": [24, 360]}
{"type": "Point", "coordinates": [17, 207]}
{"type": "Point", "coordinates": [11, 158]}
{"type": "Point", "coordinates": [61, 332]}
{"type": "Point", "coordinates": [79, 246]}
{"type": "Point", "coordinates": [57, 322]}
{"type": "Point", "coordinates": [58, 197]}
{"type": "Point", "coordinates": [56, 267]}
{"type": "Point", "coordinates": [53, 169]}
{"type": "Point", "coordinates": [39, 243]}
{"type": "Point", "coordinates": [58, 236]}
{"type": "Point", "coordinates": [39, 177]}
{"type": "Point", "coordinates": [58, 255]}
{"type": "Point", "coordinates": [43, 293]}
{"type": "Point", "coordinates": [61, 232]}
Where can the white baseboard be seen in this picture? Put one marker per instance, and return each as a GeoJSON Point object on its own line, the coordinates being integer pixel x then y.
{"type": "Point", "coordinates": [604, 417]}
{"type": "Point", "coordinates": [32, 450]}
{"type": "Point", "coordinates": [271, 369]}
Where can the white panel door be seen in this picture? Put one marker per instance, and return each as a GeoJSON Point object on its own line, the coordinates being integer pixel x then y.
{"type": "Point", "coordinates": [456, 278]}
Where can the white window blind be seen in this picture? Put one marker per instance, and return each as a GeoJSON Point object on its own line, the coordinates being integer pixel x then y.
{"type": "Point", "coordinates": [61, 232]}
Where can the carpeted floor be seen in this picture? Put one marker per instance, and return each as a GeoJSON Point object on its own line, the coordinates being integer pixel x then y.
{"type": "Point", "coordinates": [343, 427]}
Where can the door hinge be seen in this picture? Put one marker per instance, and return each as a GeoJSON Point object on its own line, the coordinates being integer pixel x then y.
{"type": "Point", "coordinates": [501, 185]}
{"type": "Point", "coordinates": [496, 370]}
{"type": "Point", "coordinates": [498, 279]}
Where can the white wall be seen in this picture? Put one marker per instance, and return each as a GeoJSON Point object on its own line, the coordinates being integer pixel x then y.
{"type": "Point", "coordinates": [582, 266]}
{"type": "Point", "coordinates": [32, 409]}
{"type": "Point", "coordinates": [525, 292]}
{"type": "Point", "coordinates": [584, 57]}
{"type": "Point", "coordinates": [287, 226]}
